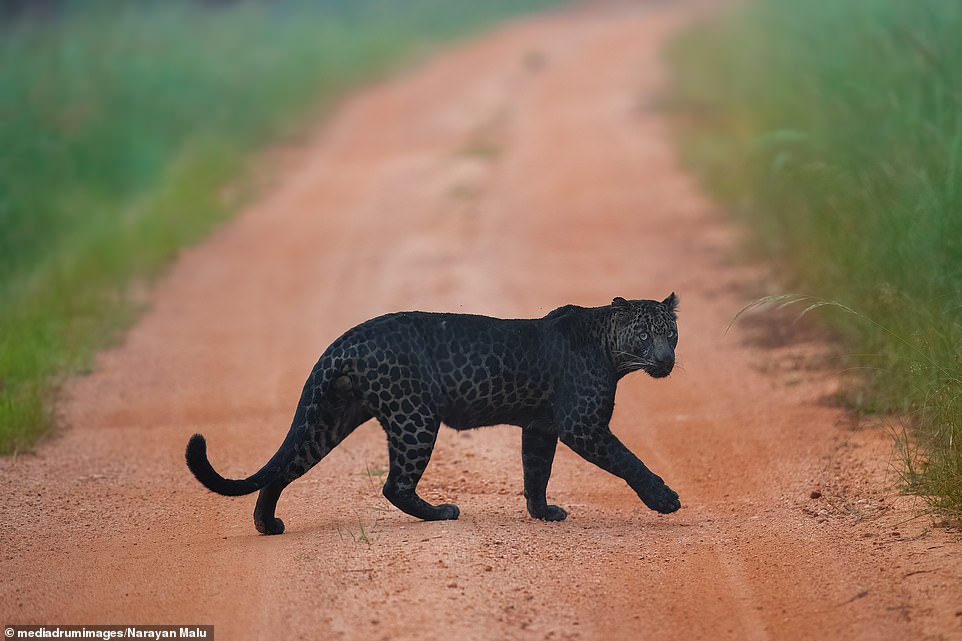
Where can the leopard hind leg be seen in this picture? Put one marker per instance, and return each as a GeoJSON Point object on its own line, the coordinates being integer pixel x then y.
{"type": "Point", "coordinates": [319, 428]}
{"type": "Point", "coordinates": [264, 519]}
{"type": "Point", "coordinates": [411, 436]}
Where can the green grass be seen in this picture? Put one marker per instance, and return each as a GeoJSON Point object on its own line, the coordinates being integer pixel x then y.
{"type": "Point", "coordinates": [121, 124]}
{"type": "Point", "coordinates": [834, 130]}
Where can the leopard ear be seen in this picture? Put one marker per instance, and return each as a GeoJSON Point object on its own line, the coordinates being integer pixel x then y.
{"type": "Point", "coordinates": [671, 302]}
{"type": "Point", "coordinates": [620, 303]}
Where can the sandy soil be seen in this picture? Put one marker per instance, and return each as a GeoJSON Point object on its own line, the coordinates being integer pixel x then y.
{"type": "Point", "coordinates": [518, 172]}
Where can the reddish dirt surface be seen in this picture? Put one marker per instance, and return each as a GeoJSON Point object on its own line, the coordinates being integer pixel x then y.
{"type": "Point", "coordinates": [521, 171]}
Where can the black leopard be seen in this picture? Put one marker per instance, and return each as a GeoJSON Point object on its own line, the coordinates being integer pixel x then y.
{"type": "Point", "coordinates": [555, 377]}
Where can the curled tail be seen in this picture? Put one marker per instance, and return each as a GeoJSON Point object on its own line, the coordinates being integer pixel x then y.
{"type": "Point", "coordinates": [196, 456]}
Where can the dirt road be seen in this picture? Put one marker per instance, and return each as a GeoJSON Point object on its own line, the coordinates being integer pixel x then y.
{"type": "Point", "coordinates": [521, 171]}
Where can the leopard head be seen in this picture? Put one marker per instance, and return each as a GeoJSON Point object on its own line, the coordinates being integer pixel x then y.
{"type": "Point", "coordinates": [643, 335]}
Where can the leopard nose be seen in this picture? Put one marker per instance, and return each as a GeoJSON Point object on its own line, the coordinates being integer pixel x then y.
{"type": "Point", "coordinates": [663, 355]}
{"type": "Point", "coordinates": [664, 364]}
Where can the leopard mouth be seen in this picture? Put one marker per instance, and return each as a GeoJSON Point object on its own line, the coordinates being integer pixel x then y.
{"type": "Point", "coordinates": [634, 363]}
{"type": "Point", "coordinates": [654, 368]}
{"type": "Point", "coordinates": [659, 371]}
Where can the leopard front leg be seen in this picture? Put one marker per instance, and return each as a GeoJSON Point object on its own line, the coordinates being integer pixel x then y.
{"type": "Point", "coordinates": [537, 454]}
{"type": "Point", "coordinates": [410, 443]}
{"type": "Point", "coordinates": [599, 446]}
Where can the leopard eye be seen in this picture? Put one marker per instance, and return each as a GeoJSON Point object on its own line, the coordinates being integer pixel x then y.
{"type": "Point", "coordinates": [671, 333]}
{"type": "Point", "coordinates": [644, 336]}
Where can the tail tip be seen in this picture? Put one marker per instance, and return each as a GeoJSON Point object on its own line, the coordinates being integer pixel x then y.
{"type": "Point", "coordinates": [196, 448]}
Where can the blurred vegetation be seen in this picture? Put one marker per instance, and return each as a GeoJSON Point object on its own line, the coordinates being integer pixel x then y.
{"type": "Point", "coordinates": [121, 124]}
{"type": "Point", "coordinates": [834, 129]}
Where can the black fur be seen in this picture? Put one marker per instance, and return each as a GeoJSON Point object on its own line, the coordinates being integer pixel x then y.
{"type": "Point", "coordinates": [555, 377]}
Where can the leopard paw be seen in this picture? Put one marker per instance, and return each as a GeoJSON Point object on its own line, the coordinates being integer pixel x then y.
{"type": "Point", "coordinates": [660, 498]}
{"type": "Point", "coordinates": [549, 513]}
{"type": "Point", "coordinates": [554, 513]}
{"type": "Point", "coordinates": [274, 526]}
{"type": "Point", "coordinates": [445, 512]}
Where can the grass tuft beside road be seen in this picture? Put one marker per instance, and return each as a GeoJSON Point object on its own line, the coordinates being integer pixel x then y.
{"type": "Point", "coordinates": [122, 123]}
{"type": "Point", "coordinates": [834, 130]}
